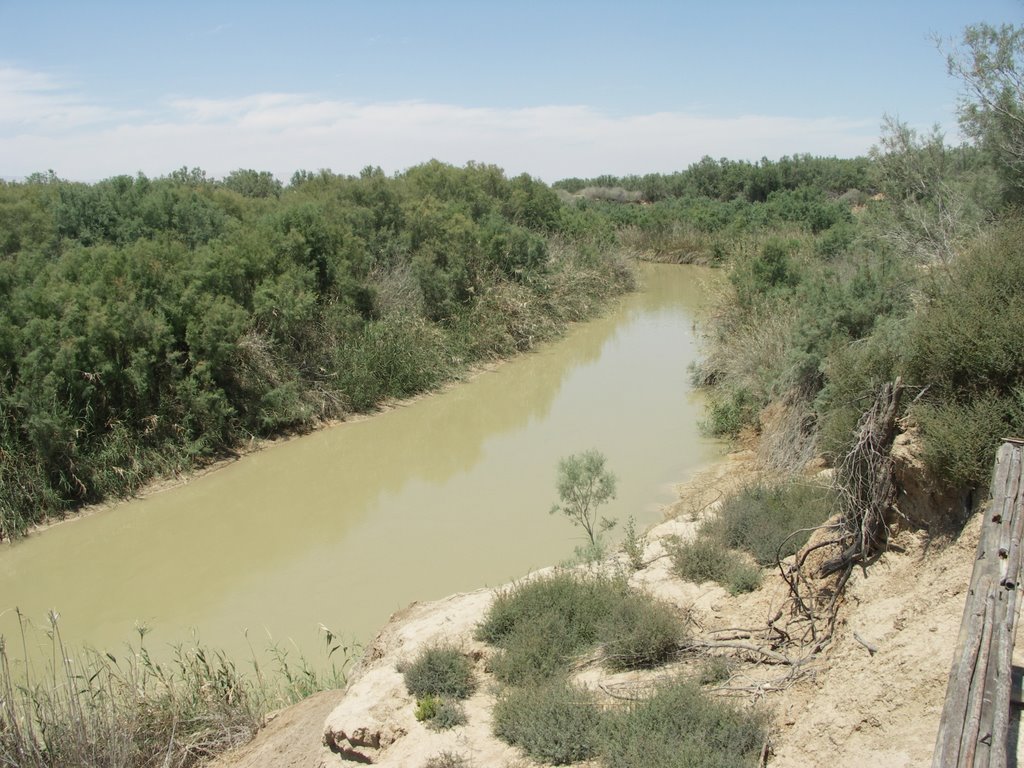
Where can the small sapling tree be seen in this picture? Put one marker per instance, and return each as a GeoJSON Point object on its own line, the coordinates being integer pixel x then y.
{"type": "Point", "coordinates": [583, 485]}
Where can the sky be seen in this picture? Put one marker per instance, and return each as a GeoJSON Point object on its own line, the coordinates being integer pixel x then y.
{"type": "Point", "coordinates": [554, 88]}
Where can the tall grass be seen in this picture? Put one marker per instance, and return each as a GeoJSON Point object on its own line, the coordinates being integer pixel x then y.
{"type": "Point", "coordinates": [121, 711]}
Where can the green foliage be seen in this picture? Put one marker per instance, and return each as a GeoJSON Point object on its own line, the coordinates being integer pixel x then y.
{"type": "Point", "coordinates": [706, 559]}
{"type": "Point", "coordinates": [448, 714]}
{"type": "Point", "coordinates": [440, 671]}
{"type": "Point", "coordinates": [729, 411]}
{"type": "Point", "coordinates": [639, 633]}
{"type": "Point", "coordinates": [961, 439]}
{"type": "Point", "coordinates": [714, 669]}
{"type": "Point", "coordinates": [853, 373]}
{"type": "Point", "coordinates": [149, 325]}
{"type": "Point", "coordinates": [553, 722]}
{"type": "Point", "coordinates": [448, 759]}
{"type": "Point", "coordinates": [964, 345]}
{"type": "Point", "coordinates": [758, 520]}
{"type": "Point", "coordinates": [768, 520]}
{"type": "Point", "coordinates": [102, 709]}
{"type": "Point", "coordinates": [583, 485]}
{"type": "Point", "coordinates": [680, 727]}
{"type": "Point", "coordinates": [770, 272]}
{"type": "Point", "coordinates": [539, 626]}
{"type": "Point", "coordinates": [990, 63]}
{"type": "Point", "coordinates": [632, 545]}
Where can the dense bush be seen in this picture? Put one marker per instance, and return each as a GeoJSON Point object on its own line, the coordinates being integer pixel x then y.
{"type": "Point", "coordinates": [442, 671]}
{"type": "Point", "coordinates": [679, 727]}
{"type": "Point", "coordinates": [147, 325]}
{"type": "Point", "coordinates": [965, 347]}
{"type": "Point", "coordinates": [540, 625]}
{"type": "Point", "coordinates": [759, 521]}
{"type": "Point", "coordinates": [769, 520]}
{"type": "Point", "coordinates": [552, 722]}
{"type": "Point", "coordinates": [706, 559]}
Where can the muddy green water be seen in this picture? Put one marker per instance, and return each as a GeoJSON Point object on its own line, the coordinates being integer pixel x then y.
{"type": "Point", "coordinates": [344, 526]}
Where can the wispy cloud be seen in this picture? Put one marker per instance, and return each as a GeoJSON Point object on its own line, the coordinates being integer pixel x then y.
{"type": "Point", "coordinates": [43, 125]}
{"type": "Point", "coordinates": [36, 101]}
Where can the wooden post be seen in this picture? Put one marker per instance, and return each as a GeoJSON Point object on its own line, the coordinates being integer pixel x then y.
{"type": "Point", "coordinates": [974, 727]}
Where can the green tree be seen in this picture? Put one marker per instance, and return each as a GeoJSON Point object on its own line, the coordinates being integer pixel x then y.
{"type": "Point", "coordinates": [583, 485]}
{"type": "Point", "coordinates": [991, 65]}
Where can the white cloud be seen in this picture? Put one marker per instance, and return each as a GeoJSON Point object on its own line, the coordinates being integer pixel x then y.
{"type": "Point", "coordinates": [44, 126]}
{"type": "Point", "coordinates": [35, 101]}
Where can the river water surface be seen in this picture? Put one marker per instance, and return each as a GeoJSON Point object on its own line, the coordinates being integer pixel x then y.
{"type": "Point", "coordinates": [346, 525]}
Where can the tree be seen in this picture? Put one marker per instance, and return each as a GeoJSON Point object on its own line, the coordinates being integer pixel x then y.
{"type": "Point", "coordinates": [991, 65]}
{"type": "Point", "coordinates": [583, 485]}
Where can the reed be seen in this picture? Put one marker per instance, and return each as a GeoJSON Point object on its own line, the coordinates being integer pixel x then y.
{"type": "Point", "coordinates": [91, 708]}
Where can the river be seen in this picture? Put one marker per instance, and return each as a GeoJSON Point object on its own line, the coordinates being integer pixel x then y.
{"type": "Point", "coordinates": [346, 525]}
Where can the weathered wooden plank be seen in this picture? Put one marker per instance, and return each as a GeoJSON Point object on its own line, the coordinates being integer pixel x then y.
{"type": "Point", "coordinates": [1003, 683]}
{"type": "Point", "coordinates": [1011, 531]}
{"type": "Point", "coordinates": [976, 686]}
{"type": "Point", "coordinates": [973, 728]}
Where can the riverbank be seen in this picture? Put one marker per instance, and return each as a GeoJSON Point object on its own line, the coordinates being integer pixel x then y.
{"type": "Point", "coordinates": [875, 695]}
{"type": "Point", "coordinates": [287, 538]}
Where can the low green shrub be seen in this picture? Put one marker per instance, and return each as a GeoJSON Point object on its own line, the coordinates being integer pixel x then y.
{"type": "Point", "coordinates": [448, 759]}
{"type": "Point", "coordinates": [552, 722]}
{"type": "Point", "coordinates": [632, 545]}
{"type": "Point", "coordinates": [578, 601]}
{"type": "Point", "coordinates": [729, 411]}
{"type": "Point", "coordinates": [705, 558]}
{"type": "Point", "coordinates": [769, 520]}
{"type": "Point", "coordinates": [426, 708]}
{"type": "Point", "coordinates": [440, 714]}
{"type": "Point", "coordinates": [965, 347]}
{"type": "Point", "coordinates": [539, 626]}
{"type": "Point", "coordinates": [440, 671]}
{"type": "Point", "coordinates": [961, 439]}
{"type": "Point", "coordinates": [640, 633]}
{"type": "Point", "coordinates": [743, 577]}
{"type": "Point", "coordinates": [449, 714]}
{"type": "Point", "coordinates": [715, 669]}
{"type": "Point", "coordinates": [680, 727]}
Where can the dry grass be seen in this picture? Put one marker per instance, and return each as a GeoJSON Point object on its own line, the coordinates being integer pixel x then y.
{"type": "Point", "coordinates": [97, 709]}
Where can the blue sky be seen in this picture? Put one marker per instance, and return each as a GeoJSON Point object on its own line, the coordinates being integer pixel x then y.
{"type": "Point", "coordinates": [554, 89]}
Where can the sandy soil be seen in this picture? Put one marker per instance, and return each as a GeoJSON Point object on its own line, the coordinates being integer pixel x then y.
{"type": "Point", "coordinates": [851, 707]}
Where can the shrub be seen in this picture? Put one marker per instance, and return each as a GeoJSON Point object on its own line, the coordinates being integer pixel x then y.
{"type": "Point", "coordinates": [853, 374]}
{"type": "Point", "coordinates": [701, 559]}
{"type": "Point", "coordinates": [965, 346]}
{"type": "Point", "coordinates": [553, 722]}
{"type": "Point", "coordinates": [440, 671]}
{"type": "Point", "coordinates": [760, 519]}
{"type": "Point", "coordinates": [540, 625]}
{"type": "Point", "coordinates": [715, 669]}
{"type": "Point", "coordinates": [742, 577]}
{"type": "Point", "coordinates": [426, 708]}
{"type": "Point", "coordinates": [440, 714]}
{"type": "Point", "coordinates": [729, 411]}
{"type": "Point", "coordinates": [449, 714]}
{"type": "Point", "coordinates": [632, 545]}
{"type": "Point", "coordinates": [680, 727]}
{"type": "Point", "coordinates": [961, 439]}
{"type": "Point", "coordinates": [640, 633]}
{"type": "Point", "coordinates": [706, 558]}
{"type": "Point", "coordinates": [447, 759]}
